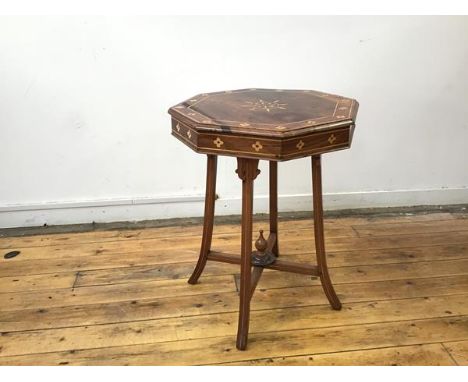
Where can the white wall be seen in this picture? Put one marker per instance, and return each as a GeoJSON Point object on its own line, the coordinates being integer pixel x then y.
{"type": "Point", "coordinates": [84, 127]}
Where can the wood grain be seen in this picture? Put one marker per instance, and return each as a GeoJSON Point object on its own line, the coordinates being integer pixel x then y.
{"type": "Point", "coordinates": [100, 311]}
{"type": "Point", "coordinates": [280, 343]}
{"type": "Point", "coordinates": [417, 355]}
{"type": "Point", "coordinates": [294, 242]}
{"type": "Point", "coordinates": [411, 228]}
{"type": "Point", "coordinates": [458, 351]}
{"type": "Point", "coordinates": [106, 264]}
{"type": "Point", "coordinates": [343, 274]}
{"type": "Point", "coordinates": [121, 297]}
{"type": "Point", "coordinates": [224, 324]}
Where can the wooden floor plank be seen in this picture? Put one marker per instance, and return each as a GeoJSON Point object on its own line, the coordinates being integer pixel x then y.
{"type": "Point", "coordinates": [218, 325]}
{"type": "Point", "coordinates": [152, 287]}
{"type": "Point", "coordinates": [410, 228]}
{"type": "Point", "coordinates": [183, 270]}
{"type": "Point", "coordinates": [36, 282]}
{"type": "Point", "coordinates": [275, 279]}
{"type": "Point", "coordinates": [334, 229]}
{"type": "Point", "coordinates": [102, 263]}
{"type": "Point", "coordinates": [112, 293]}
{"type": "Point", "coordinates": [275, 344]}
{"type": "Point", "coordinates": [297, 241]}
{"type": "Point", "coordinates": [458, 351]}
{"type": "Point", "coordinates": [100, 311]}
{"type": "Point", "coordinates": [346, 275]}
{"type": "Point", "coordinates": [342, 226]}
{"type": "Point", "coordinates": [121, 297]}
{"type": "Point", "coordinates": [417, 355]}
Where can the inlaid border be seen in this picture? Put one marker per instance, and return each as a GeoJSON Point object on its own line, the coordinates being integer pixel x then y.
{"type": "Point", "coordinates": [260, 147]}
{"type": "Point", "coordinates": [343, 110]}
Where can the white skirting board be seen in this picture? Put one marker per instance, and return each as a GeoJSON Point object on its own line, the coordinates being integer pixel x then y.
{"type": "Point", "coordinates": [105, 211]}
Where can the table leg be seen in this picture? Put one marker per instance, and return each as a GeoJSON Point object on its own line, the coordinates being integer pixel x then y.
{"type": "Point", "coordinates": [274, 203]}
{"type": "Point", "coordinates": [210, 198]}
{"type": "Point", "coordinates": [319, 235]}
{"type": "Point", "coordinates": [247, 169]}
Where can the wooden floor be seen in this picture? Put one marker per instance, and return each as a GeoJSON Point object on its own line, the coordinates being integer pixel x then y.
{"type": "Point", "coordinates": [121, 297]}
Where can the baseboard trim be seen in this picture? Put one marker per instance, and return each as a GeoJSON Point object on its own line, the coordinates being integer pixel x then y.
{"type": "Point", "coordinates": [139, 209]}
{"type": "Point", "coordinates": [99, 203]}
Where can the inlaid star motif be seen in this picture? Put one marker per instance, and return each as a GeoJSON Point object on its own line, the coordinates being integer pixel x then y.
{"type": "Point", "coordinates": [262, 105]}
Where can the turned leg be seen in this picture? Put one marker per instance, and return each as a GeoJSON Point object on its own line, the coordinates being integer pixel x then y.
{"type": "Point", "coordinates": [247, 169]}
{"type": "Point", "coordinates": [274, 203]}
{"type": "Point", "coordinates": [319, 236]}
{"type": "Point", "coordinates": [210, 197]}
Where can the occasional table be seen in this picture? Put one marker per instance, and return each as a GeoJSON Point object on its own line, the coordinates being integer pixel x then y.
{"type": "Point", "coordinates": [273, 125]}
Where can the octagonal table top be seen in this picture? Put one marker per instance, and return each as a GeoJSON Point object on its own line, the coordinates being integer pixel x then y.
{"type": "Point", "coordinates": [267, 112]}
{"type": "Point", "coordinates": [272, 124]}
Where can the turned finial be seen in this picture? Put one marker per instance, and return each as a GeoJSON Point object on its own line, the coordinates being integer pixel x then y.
{"type": "Point", "coordinates": [261, 257]}
{"type": "Point", "coordinates": [261, 244]}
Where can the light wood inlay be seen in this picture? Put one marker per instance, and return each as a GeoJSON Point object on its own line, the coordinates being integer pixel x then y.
{"type": "Point", "coordinates": [218, 142]}
{"type": "Point", "coordinates": [257, 146]}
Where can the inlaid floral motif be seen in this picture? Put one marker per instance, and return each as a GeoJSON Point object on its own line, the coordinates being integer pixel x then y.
{"type": "Point", "coordinates": [257, 146]}
{"type": "Point", "coordinates": [218, 142]}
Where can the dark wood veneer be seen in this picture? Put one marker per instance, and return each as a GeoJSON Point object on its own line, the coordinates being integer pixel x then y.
{"type": "Point", "coordinates": [262, 123]}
